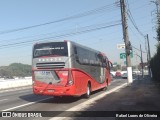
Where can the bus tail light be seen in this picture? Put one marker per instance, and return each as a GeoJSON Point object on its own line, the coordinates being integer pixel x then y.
{"type": "Point", "coordinates": [70, 79]}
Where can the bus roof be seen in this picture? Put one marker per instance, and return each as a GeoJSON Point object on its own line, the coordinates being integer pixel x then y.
{"type": "Point", "coordinates": [74, 43]}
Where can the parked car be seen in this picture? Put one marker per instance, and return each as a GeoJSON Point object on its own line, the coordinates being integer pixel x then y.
{"type": "Point", "coordinates": [124, 75]}
{"type": "Point", "coordinates": [122, 72]}
{"type": "Point", "coordinates": [118, 74]}
{"type": "Point", "coordinates": [113, 73]}
{"type": "Point", "coordinates": [136, 71]}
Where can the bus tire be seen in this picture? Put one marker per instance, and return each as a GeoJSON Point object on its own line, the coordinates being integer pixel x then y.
{"type": "Point", "coordinates": [88, 93]}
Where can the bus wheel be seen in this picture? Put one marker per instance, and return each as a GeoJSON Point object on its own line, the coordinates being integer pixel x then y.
{"type": "Point", "coordinates": [88, 93]}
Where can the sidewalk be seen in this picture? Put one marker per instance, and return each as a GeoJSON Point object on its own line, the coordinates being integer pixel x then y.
{"type": "Point", "coordinates": [141, 95]}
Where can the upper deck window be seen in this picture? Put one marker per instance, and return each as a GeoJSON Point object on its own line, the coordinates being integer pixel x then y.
{"type": "Point", "coordinates": [50, 49]}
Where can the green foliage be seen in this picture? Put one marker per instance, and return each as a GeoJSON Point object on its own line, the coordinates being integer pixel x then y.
{"type": "Point", "coordinates": [158, 30]}
{"type": "Point", "coordinates": [155, 61]}
{"type": "Point", "coordinates": [15, 69]}
{"type": "Point", "coordinates": [155, 64]}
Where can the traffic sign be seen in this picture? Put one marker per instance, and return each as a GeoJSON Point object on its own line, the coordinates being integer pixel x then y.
{"type": "Point", "coordinates": [120, 46]}
{"type": "Point", "coordinates": [123, 55]}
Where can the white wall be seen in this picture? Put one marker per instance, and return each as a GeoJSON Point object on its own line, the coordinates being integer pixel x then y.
{"type": "Point", "coordinates": [12, 83]}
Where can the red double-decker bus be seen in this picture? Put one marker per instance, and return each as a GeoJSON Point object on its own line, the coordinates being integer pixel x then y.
{"type": "Point", "coordinates": [65, 68]}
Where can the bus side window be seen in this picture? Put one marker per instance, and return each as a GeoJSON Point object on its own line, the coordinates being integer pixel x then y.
{"type": "Point", "coordinates": [76, 55]}
{"type": "Point", "coordinates": [75, 50]}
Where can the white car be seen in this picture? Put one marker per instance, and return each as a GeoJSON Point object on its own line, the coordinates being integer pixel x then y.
{"type": "Point", "coordinates": [113, 73]}
{"type": "Point", "coordinates": [124, 75]}
{"type": "Point", "coordinates": [136, 71]}
{"type": "Point", "coordinates": [122, 72]}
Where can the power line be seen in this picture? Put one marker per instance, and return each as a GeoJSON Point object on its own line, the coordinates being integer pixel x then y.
{"type": "Point", "coordinates": [29, 44]}
{"type": "Point", "coordinates": [133, 21]}
{"type": "Point", "coordinates": [137, 49]}
{"type": "Point", "coordinates": [134, 24]}
{"type": "Point", "coordinates": [81, 31]}
{"type": "Point", "coordinates": [134, 34]}
{"type": "Point", "coordinates": [91, 12]}
{"type": "Point", "coordinates": [38, 35]}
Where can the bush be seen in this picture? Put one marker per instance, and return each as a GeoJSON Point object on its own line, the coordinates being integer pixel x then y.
{"type": "Point", "coordinates": [155, 64]}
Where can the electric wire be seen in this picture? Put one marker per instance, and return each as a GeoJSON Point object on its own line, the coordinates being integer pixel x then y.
{"type": "Point", "coordinates": [132, 20]}
{"type": "Point", "coordinates": [137, 49]}
{"type": "Point", "coordinates": [80, 31]}
{"type": "Point", "coordinates": [91, 12]}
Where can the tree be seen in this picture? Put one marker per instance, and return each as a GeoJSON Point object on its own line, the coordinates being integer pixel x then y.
{"type": "Point", "coordinates": [158, 19]}
{"type": "Point", "coordinates": [155, 60]}
{"type": "Point", "coordinates": [155, 65]}
{"type": "Point", "coordinates": [158, 30]}
{"type": "Point", "coordinates": [15, 69]}
{"type": "Point", "coordinates": [3, 73]}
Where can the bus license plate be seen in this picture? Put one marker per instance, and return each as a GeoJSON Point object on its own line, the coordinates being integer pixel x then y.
{"type": "Point", "coordinates": [45, 73]}
{"type": "Point", "coordinates": [50, 90]}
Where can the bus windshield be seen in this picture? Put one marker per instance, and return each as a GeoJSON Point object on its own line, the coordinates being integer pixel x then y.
{"type": "Point", "coordinates": [49, 49]}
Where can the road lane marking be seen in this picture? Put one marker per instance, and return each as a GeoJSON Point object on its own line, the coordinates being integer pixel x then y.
{"type": "Point", "coordinates": [86, 104]}
{"type": "Point", "coordinates": [15, 89]}
{"type": "Point", "coordinates": [116, 81]}
{"type": "Point", "coordinates": [24, 91]}
{"type": "Point", "coordinates": [3, 100]}
{"type": "Point", "coordinates": [13, 108]}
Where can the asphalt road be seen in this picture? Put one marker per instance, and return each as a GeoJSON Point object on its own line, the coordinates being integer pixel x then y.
{"type": "Point", "coordinates": [25, 100]}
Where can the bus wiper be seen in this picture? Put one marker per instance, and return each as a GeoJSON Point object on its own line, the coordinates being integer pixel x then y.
{"type": "Point", "coordinates": [50, 83]}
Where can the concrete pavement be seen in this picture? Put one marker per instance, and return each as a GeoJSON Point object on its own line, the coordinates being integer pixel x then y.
{"type": "Point", "coordinates": [141, 96]}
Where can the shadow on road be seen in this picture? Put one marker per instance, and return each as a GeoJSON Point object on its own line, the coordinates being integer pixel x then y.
{"type": "Point", "coordinates": [58, 100]}
{"type": "Point", "coordinates": [35, 98]}
{"type": "Point", "coordinates": [53, 99]}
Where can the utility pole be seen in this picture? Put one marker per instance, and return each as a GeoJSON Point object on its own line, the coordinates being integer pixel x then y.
{"type": "Point", "coordinates": [149, 56]}
{"type": "Point", "coordinates": [142, 62]}
{"type": "Point", "coordinates": [126, 40]}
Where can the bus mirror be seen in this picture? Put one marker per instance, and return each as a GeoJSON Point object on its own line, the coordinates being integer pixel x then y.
{"type": "Point", "coordinates": [111, 65]}
{"type": "Point", "coordinates": [99, 55]}
{"type": "Point", "coordinates": [104, 59]}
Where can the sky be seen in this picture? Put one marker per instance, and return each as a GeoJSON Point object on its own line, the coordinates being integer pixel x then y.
{"type": "Point", "coordinates": [93, 23]}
